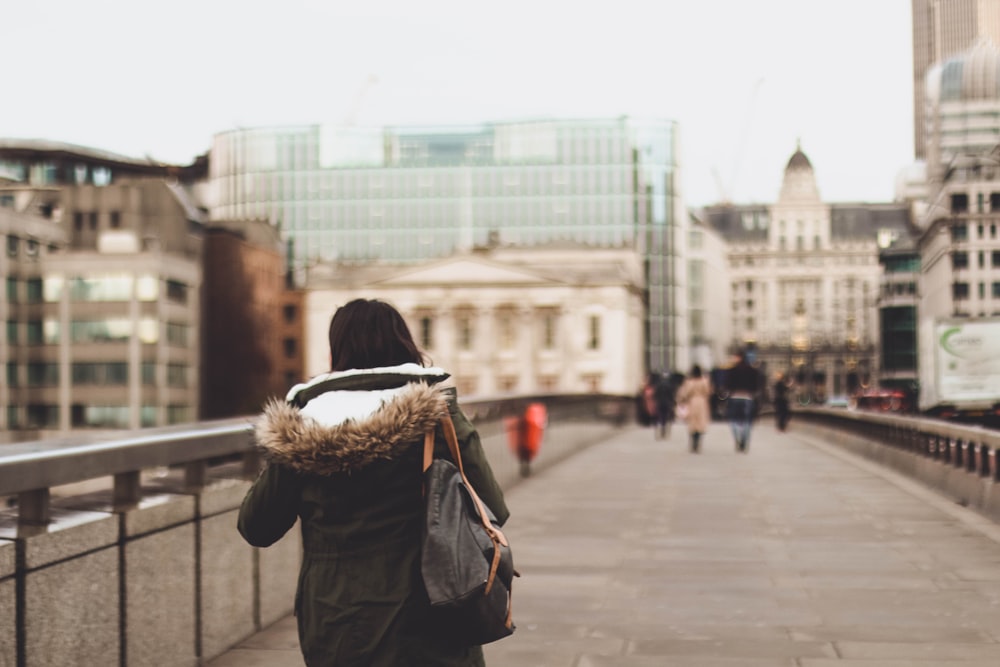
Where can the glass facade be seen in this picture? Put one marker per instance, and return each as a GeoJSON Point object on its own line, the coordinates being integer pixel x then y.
{"type": "Point", "coordinates": [411, 193]}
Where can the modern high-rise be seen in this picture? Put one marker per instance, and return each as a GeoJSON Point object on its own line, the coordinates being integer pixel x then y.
{"type": "Point", "coordinates": [963, 109]}
{"type": "Point", "coordinates": [941, 29]}
{"type": "Point", "coordinates": [102, 329]}
{"type": "Point", "coordinates": [417, 193]}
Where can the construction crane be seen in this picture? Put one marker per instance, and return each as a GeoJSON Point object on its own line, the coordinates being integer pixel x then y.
{"type": "Point", "coordinates": [727, 189]}
{"type": "Point", "coordinates": [352, 114]}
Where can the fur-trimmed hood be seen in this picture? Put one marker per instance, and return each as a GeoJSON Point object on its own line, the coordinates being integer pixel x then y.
{"type": "Point", "coordinates": [342, 422]}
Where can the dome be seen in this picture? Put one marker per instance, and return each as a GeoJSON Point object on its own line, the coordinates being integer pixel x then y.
{"type": "Point", "coordinates": [974, 75]}
{"type": "Point", "coordinates": [799, 160]}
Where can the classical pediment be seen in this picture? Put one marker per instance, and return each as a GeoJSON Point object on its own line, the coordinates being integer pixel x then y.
{"type": "Point", "coordinates": [465, 271]}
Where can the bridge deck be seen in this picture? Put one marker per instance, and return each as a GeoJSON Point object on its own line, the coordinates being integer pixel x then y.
{"type": "Point", "coordinates": [636, 553]}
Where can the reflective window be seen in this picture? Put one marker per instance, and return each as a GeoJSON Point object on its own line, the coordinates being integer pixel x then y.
{"type": "Point", "coordinates": [147, 288]}
{"type": "Point", "coordinates": [99, 416]}
{"type": "Point", "coordinates": [149, 330]}
{"type": "Point", "coordinates": [147, 416]}
{"type": "Point", "coordinates": [110, 330]}
{"type": "Point", "coordinates": [52, 287]}
{"type": "Point", "coordinates": [101, 288]}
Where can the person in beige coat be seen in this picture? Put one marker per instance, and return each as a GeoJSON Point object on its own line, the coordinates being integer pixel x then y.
{"type": "Point", "coordinates": [694, 396]}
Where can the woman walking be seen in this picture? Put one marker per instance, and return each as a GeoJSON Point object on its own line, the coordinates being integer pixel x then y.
{"type": "Point", "coordinates": [344, 455]}
{"type": "Point", "coordinates": [694, 394]}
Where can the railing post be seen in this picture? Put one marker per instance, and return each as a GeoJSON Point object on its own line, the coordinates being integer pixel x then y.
{"type": "Point", "coordinates": [195, 474]}
{"type": "Point", "coordinates": [127, 490]}
{"type": "Point", "coordinates": [33, 508]}
{"type": "Point", "coordinates": [251, 463]}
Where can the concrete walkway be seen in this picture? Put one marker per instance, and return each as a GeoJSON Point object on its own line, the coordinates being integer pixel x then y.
{"type": "Point", "coordinates": [640, 554]}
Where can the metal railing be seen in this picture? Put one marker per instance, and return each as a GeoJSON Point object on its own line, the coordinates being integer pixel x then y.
{"type": "Point", "coordinates": [28, 471]}
{"type": "Point", "coordinates": [972, 448]}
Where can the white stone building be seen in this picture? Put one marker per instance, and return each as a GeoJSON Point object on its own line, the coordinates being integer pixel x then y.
{"type": "Point", "coordinates": [504, 320]}
{"type": "Point", "coordinates": [804, 282]}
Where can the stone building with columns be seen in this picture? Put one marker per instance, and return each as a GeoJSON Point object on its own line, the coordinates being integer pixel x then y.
{"type": "Point", "coordinates": [557, 318]}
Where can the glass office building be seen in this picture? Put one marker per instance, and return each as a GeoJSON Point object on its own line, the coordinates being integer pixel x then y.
{"type": "Point", "coordinates": [414, 193]}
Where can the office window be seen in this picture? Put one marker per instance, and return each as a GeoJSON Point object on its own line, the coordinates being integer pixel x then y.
{"type": "Point", "coordinates": [42, 374]}
{"type": "Point", "coordinates": [996, 290]}
{"type": "Point", "coordinates": [110, 330]}
{"type": "Point", "coordinates": [12, 291]}
{"type": "Point", "coordinates": [99, 416]}
{"type": "Point", "coordinates": [42, 416]}
{"type": "Point", "coordinates": [177, 291]}
{"type": "Point", "coordinates": [178, 414]}
{"type": "Point", "coordinates": [12, 331]}
{"type": "Point", "coordinates": [959, 232]}
{"type": "Point", "coordinates": [148, 373]}
{"type": "Point", "coordinates": [13, 417]}
{"type": "Point", "coordinates": [13, 376]}
{"type": "Point", "coordinates": [177, 334]}
{"type": "Point", "coordinates": [959, 260]}
{"type": "Point", "coordinates": [12, 246]}
{"type": "Point", "coordinates": [147, 288]}
{"type": "Point", "coordinates": [291, 347]}
{"type": "Point", "coordinates": [115, 219]}
{"type": "Point", "coordinates": [147, 416]}
{"type": "Point", "coordinates": [177, 375]}
{"type": "Point", "coordinates": [109, 287]}
{"type": "Point", "coordinates": [288, 312]}
{"type": "Point", "coordinates": [960, 291]}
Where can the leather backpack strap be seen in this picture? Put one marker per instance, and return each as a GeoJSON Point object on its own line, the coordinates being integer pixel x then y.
{"type": "Point", "coordinates": [495, 534]}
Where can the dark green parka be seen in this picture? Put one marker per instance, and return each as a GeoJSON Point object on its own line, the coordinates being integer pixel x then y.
{"type": "Point", "coordinates": [345, 458]}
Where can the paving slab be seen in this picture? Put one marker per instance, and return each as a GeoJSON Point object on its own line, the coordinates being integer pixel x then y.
{"type": "Point", "coordinates": [637, 553]}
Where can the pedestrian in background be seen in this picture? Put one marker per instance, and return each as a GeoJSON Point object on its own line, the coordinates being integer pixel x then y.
{"type": "Point", "coordinates": [743, 385]}
{"type": "Point", "coordinates": [663, 397]}
{"type": "Point", "coordinates": [693, 395]}
{"type": "Point", "coordinates": [345, 459]}
{"type": "Point", "coordinates": [782, 409]}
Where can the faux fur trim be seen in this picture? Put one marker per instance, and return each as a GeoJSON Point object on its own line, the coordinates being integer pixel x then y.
{"type": "Point", "coordinates": [304, 444]}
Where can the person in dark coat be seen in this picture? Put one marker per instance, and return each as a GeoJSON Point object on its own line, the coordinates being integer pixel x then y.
{"type": "Point", "coordinates": [344, 459]}
{"type": "Point", "coordinates": [743, 383]}
{"type": "Point", "coordinates": [663, 397]}
{"type": "Point", "coordinates": [782, 409]}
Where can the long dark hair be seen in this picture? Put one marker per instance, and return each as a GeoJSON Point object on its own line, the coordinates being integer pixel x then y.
{"type": "Point", "coordinates": [368, 333]}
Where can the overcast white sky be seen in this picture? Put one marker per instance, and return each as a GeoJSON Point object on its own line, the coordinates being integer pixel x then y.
{"type": "Point", "coordinates": [745, 79]}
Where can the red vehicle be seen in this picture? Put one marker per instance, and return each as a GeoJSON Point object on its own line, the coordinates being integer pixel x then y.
{"type": "Point", "coordinates": [883, 400]}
